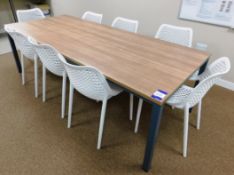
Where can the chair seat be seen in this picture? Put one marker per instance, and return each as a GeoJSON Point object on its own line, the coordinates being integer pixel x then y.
{"type": "Point", "coordinates": [177, 99]}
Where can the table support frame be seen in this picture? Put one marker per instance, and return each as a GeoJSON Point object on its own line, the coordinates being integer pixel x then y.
{"type": "Point", "coordinates": [201, 70]}
{"type": "Point", "coordinates": [155, 121]}
{"type": "Point", "coordinates": [15, 53]}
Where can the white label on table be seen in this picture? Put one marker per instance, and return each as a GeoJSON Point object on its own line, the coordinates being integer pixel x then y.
{"type": "Point", "coordinates": [159, 95]}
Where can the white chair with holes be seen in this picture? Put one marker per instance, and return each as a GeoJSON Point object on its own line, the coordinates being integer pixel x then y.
{"type": "Point", "coordinates": [125, 24]}
{"type": "Point", "coordinates": [130, 26]}
{"type": "Point", "coordinates": [28, 15]}
{"type": "Point", "coordinates": [26, 51]}
{"type": "Point", "coordinates": [91, 83]}
{"type": "Point", "coordinates": [186, 97]}
{"type": "Point", "coordinates": [92, 17]}
{"type": "Point", "coordinates": [175, 34]}
{"type": "Point", "coordinates": [50, 61]}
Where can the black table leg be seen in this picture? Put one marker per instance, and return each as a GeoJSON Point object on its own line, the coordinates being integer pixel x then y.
{"type": "Point", "coordinates": [15, 53]}
{"type": "Point", "coordinates": [201, 70]}
{"type": "Point", "coordinates": [152, 135]}
{"type": "Point", "coordinates": [13, 10]}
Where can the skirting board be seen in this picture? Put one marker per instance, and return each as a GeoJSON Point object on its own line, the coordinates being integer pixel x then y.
{"type": "Point", "coordinates": [226, 84]}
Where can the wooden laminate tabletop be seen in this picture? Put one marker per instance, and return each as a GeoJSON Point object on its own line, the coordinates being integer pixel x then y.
{"type": "Point", "coordinates": [138, 63]}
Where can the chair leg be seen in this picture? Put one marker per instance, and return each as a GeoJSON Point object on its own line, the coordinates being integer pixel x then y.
{"type": "Point", "coordinates": [131, 107]}
{"type": "Point", "coordinates": [63, 95]}
{"type": "Point", "coordinates": [23, 71]}
{"type": "Point", "coordinates": [186, 125]}
{"type": "Point", "coordinates": [43, 83]}
{"type": "Point", "coordinates": [70, 106]}
{"type": "Point", "coordinates": [36, 75]}
{"type": "Point", "coordinates": [199, 114]}
{"type": "Point", "coordinates": [138, 115]}
{"type": "Point", "coordinates": [101, 125]}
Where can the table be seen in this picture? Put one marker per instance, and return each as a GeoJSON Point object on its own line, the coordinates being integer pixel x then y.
{"type": "Point", "coordinates": [139, 64]}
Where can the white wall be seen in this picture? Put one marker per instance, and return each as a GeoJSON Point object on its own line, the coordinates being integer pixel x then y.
{"type": "Point", "coordinates": [5, 15]}
{"type": "Point", "coordinates": [152, 13]}
{"type": "Point", "coordinates": [5, 11]}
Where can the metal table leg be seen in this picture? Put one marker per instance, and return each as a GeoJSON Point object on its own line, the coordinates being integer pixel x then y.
{"type": "Point", "coordinates": [201, 70]}
{"type": "Point", "coordinates": [152, 135]}
{"type": "Point", "coordinates": [15, 53]}
{"type": "Point", "coordinates": [13, 10]}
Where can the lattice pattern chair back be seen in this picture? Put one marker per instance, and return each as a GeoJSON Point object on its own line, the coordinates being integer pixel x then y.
{"type": "Point", "coordinates": [28, 15]}
{"type": "Point", "coordinates": [175, 34]}
{"type": "Point", "coordinates": [93, 17]}
{"type": "Point", "coordinates": [200, 91]}
{"type": "Point", "coordinates": [22, 44]}
{"type": "Point", "coordinates": [217, 66]}
{"type": "Point", "coordinates": [87, 80]}
{"type": "Point", "coordinates": [204, 86]}
{"type": "Point", "coordinates": [49, 57]}
{"type": "Point", "coordinates": [125, 24]}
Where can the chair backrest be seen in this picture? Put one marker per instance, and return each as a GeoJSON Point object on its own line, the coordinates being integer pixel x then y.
{"type": "Point", "coordinates": [174, 34]}
{"type": "Point", "coordinates": [125, 24]}
{"type": "Point", "coordinates": [22, 44]}
{"type": "Point", "coordinates": [87, 80]}
{"type": "Point", "coordinates": [223, 66]}
{"type": "Point", "coordinates": [49, 57]}
{"type": "Point", "coordinates": [93, 17]}
{"type": "Point", "coordinates": [218, 65]}
{"type": "Point", "coordinates": [28, 15]}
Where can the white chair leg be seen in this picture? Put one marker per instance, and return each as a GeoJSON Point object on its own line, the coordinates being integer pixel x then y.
{"type": "Point", "coordinates": [36, 75]}
{"type": "Point", "coordinates": [22, 66]}
{"type": "Point", "coordinates": [63, 95]}
{"type": "Point", "coordinates": [186, 125]}
{"type": "Point", "coordinates": [70, 106]}
{"type": "Point", "coordinates": [131, 107]}
{"type": "Point", "coordinates": [199, 114]}
{"type": "Point", "coordinates": [101, 125]}
{"type": "Point", "coordinates": [43, 83]}
{"type": "Point", "coordinates": [138, 115]}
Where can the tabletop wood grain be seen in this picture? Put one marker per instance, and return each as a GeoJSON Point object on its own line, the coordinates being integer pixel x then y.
{"type": "Point", "coordinates": [138, 63]}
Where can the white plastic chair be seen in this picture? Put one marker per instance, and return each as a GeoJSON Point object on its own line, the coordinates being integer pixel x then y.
{"type": "Point", "coordinates": [125, 24]}
{"type": "Point", "coordinates": [93, 17]}
{"type": "Point", "coordinates": [187, 97]}
{"type": "Point", "coordinates": [130, 26]}
{"type": "Point", "coordinates": [213, 68]}
{"type": "Point", "coordinates": [50, 61]}
{"type": "Point", "coordinates": [92, 84]}
{"type": "Point", "coordinates": [26, 51]}
{"type": "Point", "coordinates": [175, 34]}
{"type": "Point", "coordinates": [28, 15]}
